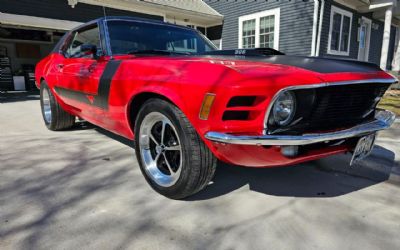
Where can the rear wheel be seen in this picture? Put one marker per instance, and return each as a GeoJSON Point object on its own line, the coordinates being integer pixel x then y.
{"type": "Point", "coordinates": [55, 118]}
{"type": "Point", "coordinates": [172, 156]}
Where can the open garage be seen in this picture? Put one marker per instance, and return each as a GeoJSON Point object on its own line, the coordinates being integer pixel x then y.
{"type": "Point", "coordinates": [23, 42]}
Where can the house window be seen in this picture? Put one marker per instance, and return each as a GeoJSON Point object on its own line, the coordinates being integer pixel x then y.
{"type": "Point", "coordinates": [260, 30]}
{"type": "Point", "coordinates": [249, 34]}
{"type": "Point", "coordinates": [267, 32]}
{"type": "Point", "coordinates": [340, 32]}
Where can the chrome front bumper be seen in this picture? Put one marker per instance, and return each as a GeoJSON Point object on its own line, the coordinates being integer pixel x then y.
{"type": "Point", "coordinates": [383, 120]}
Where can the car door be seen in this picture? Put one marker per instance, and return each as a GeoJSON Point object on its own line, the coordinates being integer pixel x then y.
{"type": "Point", "coordinates": [80, 72]}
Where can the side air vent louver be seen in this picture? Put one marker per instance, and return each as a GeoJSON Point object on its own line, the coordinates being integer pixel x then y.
{"type": "Point", "coordinates": [244, 108]}
{"type": "Point", "coordinates": [235, 115]}
{"type": "Point", "coordinates": [241, 101]}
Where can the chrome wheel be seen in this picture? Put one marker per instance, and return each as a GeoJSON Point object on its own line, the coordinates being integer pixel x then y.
{"type": "Point", "coordinates": [160, 149]}
{"type": "Point", "coordinates": [46, 105]}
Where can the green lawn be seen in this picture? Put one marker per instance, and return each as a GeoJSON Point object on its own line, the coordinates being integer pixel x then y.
{"type": "Point", "coordinates": [391, 101]}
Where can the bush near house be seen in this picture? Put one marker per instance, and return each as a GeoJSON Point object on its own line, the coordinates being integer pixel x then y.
{"type": "Point", "coordinates": [391, 101]}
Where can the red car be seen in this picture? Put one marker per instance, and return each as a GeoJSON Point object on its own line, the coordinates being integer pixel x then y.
{"type": "Point", "coordinates": [187, 104]}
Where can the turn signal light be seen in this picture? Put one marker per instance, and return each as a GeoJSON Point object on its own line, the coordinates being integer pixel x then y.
{"type": "Point", "coordinates": [206, 106]}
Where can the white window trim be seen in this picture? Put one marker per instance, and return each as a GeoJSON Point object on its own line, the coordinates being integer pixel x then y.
{"type": "Point", "coordinates": [335, 9]}
{"type": "Point", "coordinates": [276, 12]}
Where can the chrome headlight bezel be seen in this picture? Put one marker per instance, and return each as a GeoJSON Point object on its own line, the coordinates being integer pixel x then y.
{"type": "Point", "coordinates": [283, 109]}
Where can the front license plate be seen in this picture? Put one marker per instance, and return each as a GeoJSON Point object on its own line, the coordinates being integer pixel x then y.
{"type": "Point", "coordinates": [363, 149]}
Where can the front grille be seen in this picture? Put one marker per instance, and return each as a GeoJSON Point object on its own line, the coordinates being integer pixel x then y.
{"type": "Point", "coordinates": [344, 105]}
{"type": "Point", "coordinates": [336, 107]}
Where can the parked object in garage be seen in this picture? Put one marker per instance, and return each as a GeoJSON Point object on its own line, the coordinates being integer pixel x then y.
{"type": "Point", "coordinates": [21, 80]}
{"type": "Point", "coordinates": [6, 80]}
{"type": "Point", "coordinates": [187, 104]}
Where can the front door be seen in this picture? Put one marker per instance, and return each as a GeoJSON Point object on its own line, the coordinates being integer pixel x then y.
{"type": "Point", "coordinates": [364, 39]}
{"type": "Point", "coordinates": [80, 73]}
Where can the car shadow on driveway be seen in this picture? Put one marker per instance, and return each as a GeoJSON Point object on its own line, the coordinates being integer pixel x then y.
{"type": "Point", "coordinates": [328, 177]}
{"type": "Point", "coordinates": [83, 125]}
{"type": "Point", "coordinates": [7, 97]}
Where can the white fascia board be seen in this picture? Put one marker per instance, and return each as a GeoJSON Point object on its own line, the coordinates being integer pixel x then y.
{"type": "Point", "coordinates": [157, 10]}
{"type": "Point", "coordinates": [37, 22]}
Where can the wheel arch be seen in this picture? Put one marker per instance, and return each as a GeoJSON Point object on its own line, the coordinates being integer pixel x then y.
{"type": "Point", "coordinates": [139, 99]}
{"type": "Point", "coordinates": [39, 83]}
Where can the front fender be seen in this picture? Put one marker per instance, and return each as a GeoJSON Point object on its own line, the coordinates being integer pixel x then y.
{"type": "Point", "coordinates": [139, 97]}
{"type": "Point", "coordinates": [163, 91]}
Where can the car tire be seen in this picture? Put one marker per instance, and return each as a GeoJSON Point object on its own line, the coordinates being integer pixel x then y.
{"type": "Point", "coordinates": [54, 116]}
{"type": "Point", "coordinates": [172, 156]}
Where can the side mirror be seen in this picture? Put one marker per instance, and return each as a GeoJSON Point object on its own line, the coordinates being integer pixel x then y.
{"type": "Point", "coordinates": [89, 49]}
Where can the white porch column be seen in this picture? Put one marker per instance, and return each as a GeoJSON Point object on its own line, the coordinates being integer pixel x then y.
{"type": "Point", "coordinates": [386, 37]}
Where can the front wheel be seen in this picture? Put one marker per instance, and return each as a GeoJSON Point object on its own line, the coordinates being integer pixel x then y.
{"type": "Point", "coordinates": [172, 156]}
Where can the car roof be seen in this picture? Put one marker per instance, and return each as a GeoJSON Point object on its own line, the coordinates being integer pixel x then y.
{"type": "Point", "coordinates": [130, 19]}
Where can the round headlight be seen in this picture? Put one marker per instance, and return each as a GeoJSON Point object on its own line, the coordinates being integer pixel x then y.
{"type": "Point", "coordinates": [284, 108]}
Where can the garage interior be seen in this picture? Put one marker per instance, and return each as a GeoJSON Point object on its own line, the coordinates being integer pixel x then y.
{"type": "Point", "coordinates": [20, 50]}
{"type": "Point", "coordinates": [24, 41]}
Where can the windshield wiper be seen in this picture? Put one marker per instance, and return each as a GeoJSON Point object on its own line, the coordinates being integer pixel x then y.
{"type": "Point", "coordinates": [156, 52]}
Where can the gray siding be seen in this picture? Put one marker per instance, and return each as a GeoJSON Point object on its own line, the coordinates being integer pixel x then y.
{"type": "Point", "coordinates": [296, 22]}
{"type": "Point", "coordinates": [59, 9]}
{"type": "Point", "coordinates": [376, 35]}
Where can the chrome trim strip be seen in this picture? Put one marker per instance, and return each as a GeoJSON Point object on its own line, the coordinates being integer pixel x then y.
{"type": "Point", "coordinates": [321, 85]}
{"type": "Point", "coordinates": [107, 37]}
{"type": "Point", "coordinates": [383, 120]}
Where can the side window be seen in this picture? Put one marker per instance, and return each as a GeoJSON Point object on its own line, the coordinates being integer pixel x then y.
{"type": "Point", "coordinates": [86, 36]}
{"type": "Point", "coordinates": [184, 45]}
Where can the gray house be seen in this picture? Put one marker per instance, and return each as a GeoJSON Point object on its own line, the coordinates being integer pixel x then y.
{"type": "Point", "coordinates": [364, 30]}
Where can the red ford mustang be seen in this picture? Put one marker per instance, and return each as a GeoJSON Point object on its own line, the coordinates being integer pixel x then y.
{"type": "Point", "coordinates": [186, 104]}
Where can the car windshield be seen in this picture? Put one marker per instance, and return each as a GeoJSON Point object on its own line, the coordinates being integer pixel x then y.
{"type": "Point", "coordinates": [128, 37]}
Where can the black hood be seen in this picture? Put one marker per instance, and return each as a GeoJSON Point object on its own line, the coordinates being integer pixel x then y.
{"type": "Point", "coordinates": [316, 64]}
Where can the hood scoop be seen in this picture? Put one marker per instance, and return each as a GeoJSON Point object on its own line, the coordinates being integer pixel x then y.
{"type": "Point", "coordinates": [244, 52]}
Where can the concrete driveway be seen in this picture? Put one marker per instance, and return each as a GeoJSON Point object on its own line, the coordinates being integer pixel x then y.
{"type": "Point", "coordinates": [82, 189]}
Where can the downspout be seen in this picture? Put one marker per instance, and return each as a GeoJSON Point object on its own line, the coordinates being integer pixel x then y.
{"type": "Point", "coordinates": [321, 19]}
{"type": "Point", "coordinates": [315, 26]}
